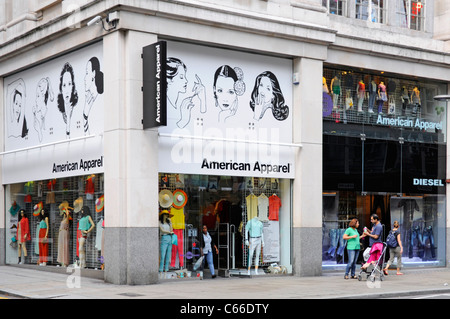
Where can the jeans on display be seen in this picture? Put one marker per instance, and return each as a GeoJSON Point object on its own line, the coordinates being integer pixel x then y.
{"type": "Point", "coordinates": [340, 234]}
{"type": "Point", "coordinates": [165, 252]}
{"type": "Point", "coordinates": [428, 241]}
{"type": "Point", "coordinates": [333, 242]}
{"type": "Point", "coordinates": [352, 258]}
{"type": "Point", "coordinates": [372, 97]}
{"type": "Point", "coordinates": [416, 243]}
{"type": "Point", "coordinates": [209, 259]}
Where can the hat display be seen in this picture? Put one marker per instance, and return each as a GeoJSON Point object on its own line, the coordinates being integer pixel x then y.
{"type": "Point", "coordinates": [64, 206]}
{"type": "Point", "coordinates": [165, 211]}
{"type": "Point", "coordinates": [77, 204]}
{"type": "Point", "coordinates": [37, 208]}
{"type": "Point", "coordinates": [165, 198]}
{"type": "Point", "coordinates": [179, 198]}
{"type": "Point", "coordinates": [14, 208]}
{"type": "Point", "coordinates": [99, 204]}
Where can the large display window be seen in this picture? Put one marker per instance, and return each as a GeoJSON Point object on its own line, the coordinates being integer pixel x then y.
{"type": "Point", "coordinates": [248, 220]}
{"type": "Point", "coordinates": [57, 222]}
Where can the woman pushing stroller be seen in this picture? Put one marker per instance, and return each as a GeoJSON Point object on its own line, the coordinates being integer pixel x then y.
{"type": "Point", "coordinates": [374, 240]}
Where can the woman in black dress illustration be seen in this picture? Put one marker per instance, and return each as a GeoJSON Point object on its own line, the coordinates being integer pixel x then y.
{"type": "Point", "coordinates": [68, 96]}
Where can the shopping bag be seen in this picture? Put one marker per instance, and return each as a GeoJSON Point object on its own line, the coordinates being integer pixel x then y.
{"type": "Point", "coordinates": [198, 263]}
{"type": "Point", "coordinates": [174, 240]}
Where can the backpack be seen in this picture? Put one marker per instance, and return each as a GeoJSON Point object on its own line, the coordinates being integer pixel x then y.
{"type": "Point", "coordinates": [391, 240]}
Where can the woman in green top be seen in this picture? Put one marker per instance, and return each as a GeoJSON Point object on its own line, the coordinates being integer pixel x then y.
{"type": "Point", "coordinates": [352, 236]}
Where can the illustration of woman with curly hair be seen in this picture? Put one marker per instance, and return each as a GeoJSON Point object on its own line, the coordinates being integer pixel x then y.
{"type": "Point", "coordinates": [68, 96]}
{"type": "Point", "coordinates": [18, 125]}
{"type": "Point", "coordinates": [267, 94]}
{"type": "Point", "coordinates": [228, 85]}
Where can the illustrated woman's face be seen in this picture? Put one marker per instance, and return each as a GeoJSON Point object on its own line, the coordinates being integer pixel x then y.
{"type": "Point", "coordinates": [225, 94]}
{"type": "Point", "coordinates": [89, 77]}
{"type": "Point", "coordinates": [265, 90]}
{"type": "Point", "coordinates": [66, 87]}
{"type": "Point", "coordinates": [17, 106]}
{"type": "Point", "coordinates": [40, 94]}
{"type": "Point", "coordinates": [179, 81]}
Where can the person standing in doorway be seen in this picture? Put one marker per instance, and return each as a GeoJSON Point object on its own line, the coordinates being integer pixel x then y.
{"type": "Point", "coordinates": [206, 249]}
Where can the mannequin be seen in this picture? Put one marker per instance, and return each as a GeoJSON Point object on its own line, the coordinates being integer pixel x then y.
{"type": "Point", "coordinates": [254, 239]}
{"type": "Point", "coordinates": [324, 85]}
{"type": "Point", "coordinates": [336, 90]}
{"type": "Point", "coordinates": [361, 92]}
{"type": "Point", "coordinates": [165, 248]}
{"type": "Point", "coordinates": [415, 100]}
{"type": "Point", "coordinates": [405, 99]}
{"type": "Point", "coordinates": [43, 238]}
{"type": "Point", "coordinates": [23, 235]}
{"type": "Point", "coordinates": [372, 95]}
{"type": "Point", "coordinates": [382, 96]}
{"type": "Point", "coordinates": [86, 225]}
{"type": "Point", "coordinates": [63, 239]}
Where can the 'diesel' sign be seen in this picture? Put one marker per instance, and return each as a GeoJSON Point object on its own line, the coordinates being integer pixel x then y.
{"type": "Point", "coordinates": [154, 85]}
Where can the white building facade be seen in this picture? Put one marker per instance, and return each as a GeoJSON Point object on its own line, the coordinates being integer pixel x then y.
{"type": "Point", "coordinates": [249, 132]}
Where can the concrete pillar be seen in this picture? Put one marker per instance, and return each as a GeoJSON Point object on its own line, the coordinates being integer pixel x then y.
{"type": "Point", "coordinates": [131, 165]}
{"type": "Point", "coordinates": [307, 189]}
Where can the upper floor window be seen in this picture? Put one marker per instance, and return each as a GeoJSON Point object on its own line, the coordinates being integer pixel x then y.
{"type": "Point", "coordinates": [370, 10]}
{"type": "Point", "coordinates": [338, 7]}
{"type": "Point", "coordinates": [410, 14]}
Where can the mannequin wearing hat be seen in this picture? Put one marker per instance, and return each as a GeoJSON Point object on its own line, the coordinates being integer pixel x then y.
{"type": "Point", "coordinates": [255, 240]}
{"type": "Point", "coordinates": [85, 225]}
{"type": "Point", "coordinates": [63, 238]}
{"type": "Point", "coordinates": [165, 232]}
{"type": "Point", "coordinates": [43, 237]}
{"type": "Point", "coordinates": [23, 235]}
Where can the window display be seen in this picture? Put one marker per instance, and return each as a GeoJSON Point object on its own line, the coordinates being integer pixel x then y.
{"type": "Point", "coordinates": [240, 216]}
{"type": "Point", "coordinates": [60, 222]}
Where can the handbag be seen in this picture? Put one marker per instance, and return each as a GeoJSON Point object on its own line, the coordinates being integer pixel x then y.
{"type": "Point", "coordinates": [174, 240]}
{"type": "Point", "coordinates": [198, 263]}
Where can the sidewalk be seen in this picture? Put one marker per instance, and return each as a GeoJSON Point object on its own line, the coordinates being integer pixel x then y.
{"type": "Point", "coordinates": [36, 284]}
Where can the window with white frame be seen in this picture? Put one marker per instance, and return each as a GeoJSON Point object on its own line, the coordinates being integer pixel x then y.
{"type": "Point", "coordinates": [370, 10]}
{"type": "Point", "coordinates": [410, 14]}
{"type": "Point", "coordinates": [338, 7]}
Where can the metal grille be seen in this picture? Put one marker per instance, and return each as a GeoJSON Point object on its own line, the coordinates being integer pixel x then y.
{"type": "Point", "coordinates": [65, 189]}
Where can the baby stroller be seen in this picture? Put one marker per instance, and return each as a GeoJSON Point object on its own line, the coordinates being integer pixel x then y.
{"type": "Point", "coordinates": [376, 262]}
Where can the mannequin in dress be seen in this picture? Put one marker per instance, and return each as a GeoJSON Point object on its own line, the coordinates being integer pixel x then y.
{"type": "Point", "coordinates": [415, 99]}
{"type": "Point", "coordinates": [336, 90]}
{"type": "Point", "coordinates": [63, 239]}
{"type": "Point", "coordinates": [43, 237]}
{"type": "Point", "coordinates": [86, 225]}
{"type": "Point", "coordinates": [254, 239]}
{"type": "Point", "coordinates": [23, 235]}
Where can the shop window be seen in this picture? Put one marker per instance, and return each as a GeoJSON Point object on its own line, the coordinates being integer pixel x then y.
{"type": "Point", "coordinates": [410, 14]}
{"type": "Point", "coordinates": [384, 106]}
{"type": "Point", "coordinates": [227, 206]}
{"type": "Point", "coordinates": [338, 7]}
{"type": "Point", "coordinates": [65, 201]}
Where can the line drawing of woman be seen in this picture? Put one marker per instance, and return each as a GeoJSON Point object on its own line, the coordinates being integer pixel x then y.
{"type": "Point", "coordinates": [267, 94]}
{"type": "Point", "coordinates": [44, 92]}
{"type": "Point", "coordinates": [17, 96]}
{"type": "Point", "coordinates": [177, 83]}
{"type": "Point", "coordinates": [68, 96]}
{"type": "Point", "coordinates": [93, 85]}
{"type": "Point", "coordinates": [228, 85]}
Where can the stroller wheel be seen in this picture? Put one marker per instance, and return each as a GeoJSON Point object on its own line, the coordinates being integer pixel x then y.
{"type": "Point", "coordinates": [372, 278]}
{"type": "Point", "coordinates": [359, 277]}
{"type": "Point", "coordinates": [381, 277]}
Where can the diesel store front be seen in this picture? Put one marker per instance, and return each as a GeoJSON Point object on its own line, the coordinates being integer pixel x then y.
{"type": "Point", "coordinates": [384, 152]}
{"type": "Point", "coordinates": [226, 160]}
{"type": "Point", "coordinates": [52, 166]}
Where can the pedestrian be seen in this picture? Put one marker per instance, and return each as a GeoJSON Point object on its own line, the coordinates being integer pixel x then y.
{"type": "Point", "coordinates": [396, 251]}
{"type": "Point", "coordinates": [353, 246]}
{"type": "Point", "coordinates": [206, 249]}
{"type": "Point", "coordinates": [375, 243]}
